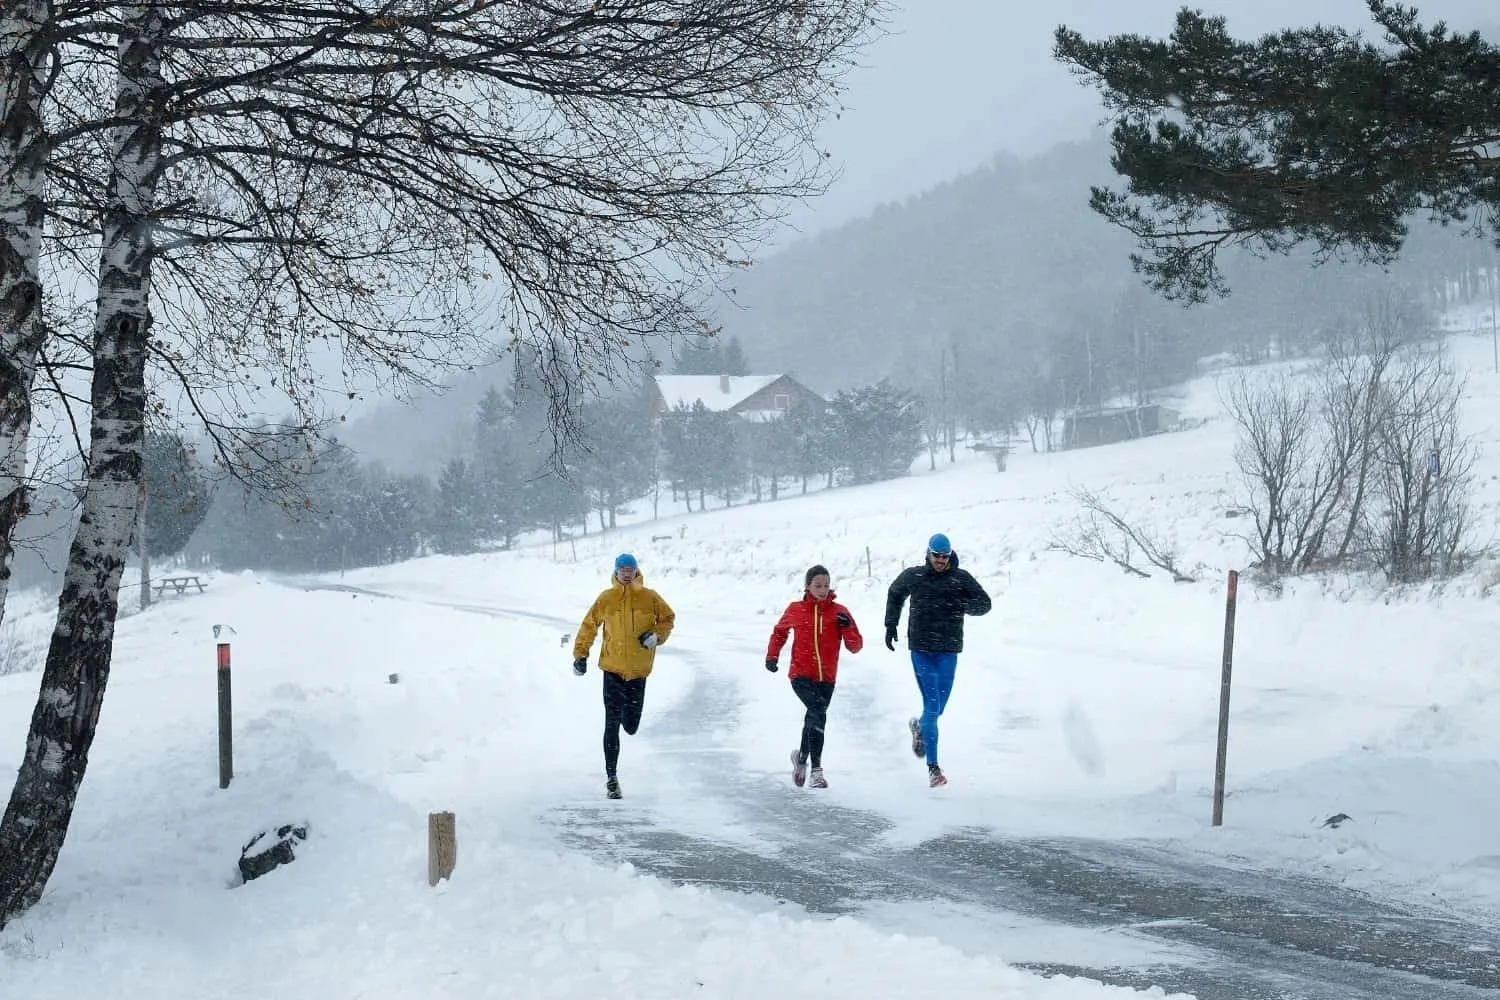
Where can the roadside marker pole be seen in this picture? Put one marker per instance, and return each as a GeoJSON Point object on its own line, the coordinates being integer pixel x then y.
{"type": "Point", "coordinates": [1220, 764]}
{"type": "Point", "coordinates": [226, 730]}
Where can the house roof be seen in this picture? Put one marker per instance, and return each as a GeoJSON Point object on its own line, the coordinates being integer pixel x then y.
{"type": "Point", "coordinates": [688, 389]}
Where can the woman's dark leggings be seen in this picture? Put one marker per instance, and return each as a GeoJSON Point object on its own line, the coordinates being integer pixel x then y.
{"type": "Point", "coordinates": [623, 702]}
{"type": "Point", "coordinates": [815, 695]}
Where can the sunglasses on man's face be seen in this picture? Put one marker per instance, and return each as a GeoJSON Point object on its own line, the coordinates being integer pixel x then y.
{"type": "Point", "coordinates": [940, 555]}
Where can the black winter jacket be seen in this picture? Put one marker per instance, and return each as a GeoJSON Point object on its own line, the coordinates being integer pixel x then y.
{"type": "Point", "coordinates": [939, 602]}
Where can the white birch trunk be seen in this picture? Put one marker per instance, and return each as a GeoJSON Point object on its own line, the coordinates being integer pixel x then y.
{"type": "Point", "coordinates": [24, 43]}
{"type": "Point", "coordinates": [78, 660]}
{"type": "Point", "coordinates": [143, 555]}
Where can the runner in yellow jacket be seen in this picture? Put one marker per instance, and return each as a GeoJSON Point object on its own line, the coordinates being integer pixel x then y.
{"type": "Point", "coordinates": [635, 620]}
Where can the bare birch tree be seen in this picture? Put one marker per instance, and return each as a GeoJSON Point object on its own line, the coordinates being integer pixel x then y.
{"type": "Point", "coordinates": [77, 666]}
{"type": "Point", "coordinates": [407, 183]}
{"type": "Point", "coordinates": [25, 45]}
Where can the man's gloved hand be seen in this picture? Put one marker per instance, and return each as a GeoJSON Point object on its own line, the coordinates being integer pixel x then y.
{"type": "Point", "coordinates": [843, 619]}
{"type": "Point", "coordinates": [890, 639]}
{"type": "Point", "coordinates": [580, 666]}
{"type": "Point", "coordinates": [772, 665]}
{"type": "Point", "coordinates": [648, 639]}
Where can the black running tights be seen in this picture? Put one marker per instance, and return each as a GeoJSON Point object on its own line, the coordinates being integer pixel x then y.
{"type": "Point", "coordinates": [623, 702]}
{"type": "Point", "coordinates": [815, 695]}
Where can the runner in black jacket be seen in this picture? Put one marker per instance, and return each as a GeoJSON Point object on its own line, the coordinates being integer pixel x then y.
{"type": "Point", "coordinates": [941, 594]}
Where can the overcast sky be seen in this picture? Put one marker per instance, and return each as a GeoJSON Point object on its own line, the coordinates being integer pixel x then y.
{"type": "Point", "coordinates": [957, 81]}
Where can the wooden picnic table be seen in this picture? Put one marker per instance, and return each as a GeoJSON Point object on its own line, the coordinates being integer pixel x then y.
{"type": "Point", "coordinates": [178, 583]}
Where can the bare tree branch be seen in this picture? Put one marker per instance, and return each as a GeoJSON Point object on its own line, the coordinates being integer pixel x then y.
{"type": "Point", "coordinates": [1100, 534]}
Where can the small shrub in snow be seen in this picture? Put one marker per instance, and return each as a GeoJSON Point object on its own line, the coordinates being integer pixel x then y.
{"type": "Point", "coordinates": [23, 637]}
{"type": "Point", "coordinates": [1101, 534]}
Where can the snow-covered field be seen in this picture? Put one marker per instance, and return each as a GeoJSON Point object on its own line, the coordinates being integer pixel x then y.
{"type": "Point", "coordinates": [1086, 704]}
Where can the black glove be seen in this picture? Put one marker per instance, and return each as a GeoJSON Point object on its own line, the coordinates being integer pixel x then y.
{"type": "Point", "coordinates": [580, 666]}
{"type": "Point", "coordinates": [772, 665]}
{"type": "Point", "coordinates": [890, 639]}
{"type": "Point", "coordinates": [648, 639]}
{"type": "Point", "coordinates": [843, 619]}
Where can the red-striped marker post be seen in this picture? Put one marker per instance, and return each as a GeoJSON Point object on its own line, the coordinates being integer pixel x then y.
{"type": "Point", "coordinates": [226, 730]}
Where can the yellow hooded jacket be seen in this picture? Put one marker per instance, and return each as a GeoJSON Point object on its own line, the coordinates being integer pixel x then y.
{"type": "Point", "coordinates": [625, 612]}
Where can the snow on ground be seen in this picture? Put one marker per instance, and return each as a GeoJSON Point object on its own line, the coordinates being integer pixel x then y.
{"type": "Point", "coordinates": [1086, 704]}
{"type": "Point", "coordinates": [480, 722]}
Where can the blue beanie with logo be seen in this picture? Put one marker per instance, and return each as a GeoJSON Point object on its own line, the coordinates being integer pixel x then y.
{"type": "Point", "coordinates": [938, 545]}
{"type": "Point", "coordinates": [625, 559]}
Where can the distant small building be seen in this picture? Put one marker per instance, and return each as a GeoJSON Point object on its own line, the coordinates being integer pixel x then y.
{"type": "Point", "coordinates": [1113, 424]}
{"type": "Point", "coordinates": [756, 398]}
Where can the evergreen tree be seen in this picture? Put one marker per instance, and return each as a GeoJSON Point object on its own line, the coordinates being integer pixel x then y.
{"type": "Point", "coordinates": [811, 432]}
{"type": "Point", "coordinates": [499, 470]}
{"type": "Point", "coordinates": [458, 519]}
{"type": "Point", "coordinates": [682, 460]}
{"type": "Point", "coordinates": [248, 527]}
{"type": "Point", "coordinates": [543, 443]}
{"type": "Point", "coordinates": [721, 449]}
{"type": "Point", "coordinates": [553, 495]}
{"type": "Point", "coordinates": [400, 508]}
{"type": "Point", "coordinates": [878, 431]}
{"type": "Point", "coordinates": [1311, 135]}
{"type": "Point", "coordinates": [735, 362]}
{"type": "Point", "coordinates": [178, 493]}
{"type": "Point", "coordinates": [616, 465]}
{"type": "Point", "coordinates": [717, 357]}
{"type": "Point", "coordinates": [700, 359]}
{"type": "Point", "coordinates": [988, 387]}
{"type": "Point", "coordinates": [770, 447]}
{"type": "Point", "coordinates": [339, 528]}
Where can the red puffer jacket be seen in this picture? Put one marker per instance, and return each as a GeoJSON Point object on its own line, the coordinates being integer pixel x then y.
{"type": "Point", "coordinates": [815, 648]}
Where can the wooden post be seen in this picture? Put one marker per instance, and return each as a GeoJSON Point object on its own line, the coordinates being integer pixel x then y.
{"type": "Point", "coordinates": [868, 572]}
{"type": "Point", "coordinates": [1220, 764]}
{"type": "Point", "coordinates": [442, 846]}
{"type": "Point", "coordinates": [226, 717]}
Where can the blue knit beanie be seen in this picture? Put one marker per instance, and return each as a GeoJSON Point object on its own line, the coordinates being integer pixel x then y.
{"type": "Point", "coordinates": [625, 559]}
{"type": "Point", "coordinates": [938, 545]}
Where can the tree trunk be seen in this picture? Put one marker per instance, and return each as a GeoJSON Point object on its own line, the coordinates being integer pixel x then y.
{"type": "Point", "coordinates": [25, 27]}
{"type": "Point", "coordinates": [78, 659]}
{"type": "Point", "coordinates": [142, 554]}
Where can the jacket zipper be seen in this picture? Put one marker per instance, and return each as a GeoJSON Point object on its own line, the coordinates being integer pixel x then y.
{"type": "Point", "coordinates": [818, 641]}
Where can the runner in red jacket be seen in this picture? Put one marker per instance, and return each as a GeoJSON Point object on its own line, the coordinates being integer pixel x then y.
{"type": "Point", "coordinates": [821, 625]}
